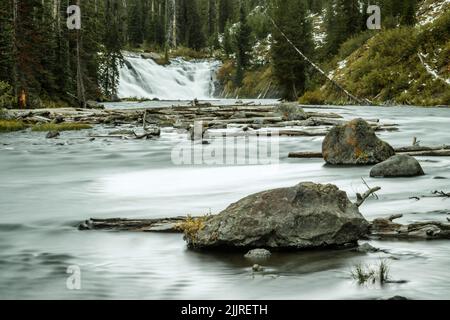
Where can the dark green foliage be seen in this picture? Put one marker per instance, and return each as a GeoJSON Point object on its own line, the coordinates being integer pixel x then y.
{"type": "Point", "coordinates": [189, 25]}
{"type": "Point", "coordinates": [289, 67]}
{"type": "Point", "coordinates": [135, 23]}
{"type": "Point", "coordinates": [227, 40]}
{"type": "Point", "coordinates": [343, 20]}
{"type": "Point", "coordinates": [243, 46]}
{"type": "Point", "coordinates": [226, 13]}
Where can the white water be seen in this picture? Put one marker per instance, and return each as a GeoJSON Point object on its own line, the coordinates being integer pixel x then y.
{"type": "Point", "coordinates": [181, 80]}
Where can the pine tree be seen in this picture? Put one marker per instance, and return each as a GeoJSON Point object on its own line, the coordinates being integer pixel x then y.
{"type": "Point", "coordinates": [408, 16]}
{"type": "Point", "coordinates": [225, 13]}
{"type": "Point", "coordinates": [111, 58]}
{"type": "Point", "coordinates": [189, 23]}
{"type": "Point", "coordinates": [227, 42]}
{"type": "Point", "coordinates": [243, 46]}
{"type": "Point", "coordinates": [6, 42]}
{"type": "Point", "coordinates": [289, 67]}
{"type": "Point", "coordinates": [135, 30]}
{"type": "Point", "coordinates": [343, 20]}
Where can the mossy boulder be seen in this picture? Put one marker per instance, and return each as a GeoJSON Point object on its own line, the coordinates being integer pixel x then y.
{"type": "Point", "coordinates": [291, 111]}
{"type": "Point", "coordinates": [355, 143]}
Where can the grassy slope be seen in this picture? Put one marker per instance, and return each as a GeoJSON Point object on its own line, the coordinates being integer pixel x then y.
{"type": "Point", "coordinates": [387, 68]}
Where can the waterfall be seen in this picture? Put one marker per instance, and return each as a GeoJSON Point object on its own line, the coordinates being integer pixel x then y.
{"type": "Point", "coordinates": [180, 80]}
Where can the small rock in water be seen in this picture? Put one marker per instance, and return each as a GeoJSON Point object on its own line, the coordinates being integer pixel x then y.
{"type": "Point", "coordinates": [257, 268]}
{"type": "Point", "coordinates": [398, 298]}
{"type": "Point", "coordinates": [439, 178]}
{"type": "Point", "coordinates": [258, 254]}
{"type": "Point", "coordinates": [367, 248]}
{"type": "Point", "coordinates": [52, 135]}
{"type": "Point", "coordinates": [398, 166]}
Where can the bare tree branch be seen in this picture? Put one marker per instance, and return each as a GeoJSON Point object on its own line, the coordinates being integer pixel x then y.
{"type": "Point", "coordinates": [367, 194]}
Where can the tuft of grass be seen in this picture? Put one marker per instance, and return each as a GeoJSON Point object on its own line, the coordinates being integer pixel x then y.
{"type": "Point", "coordinates": [11, 125]}
{"type": "Point", "coordinates": [61, 127]}
{"type": "Point", "coordinates": [364, 274]}
{"type": "Point", "coordinates": [383, 272]}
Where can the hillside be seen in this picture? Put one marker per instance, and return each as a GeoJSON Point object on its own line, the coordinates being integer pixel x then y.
{"type": "Point", "coordinates": [400, 64]}
{"type": "Point", "coordinates": [404, 65]}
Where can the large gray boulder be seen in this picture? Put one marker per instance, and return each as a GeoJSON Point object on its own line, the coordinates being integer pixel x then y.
{"type": "Point", "coordinates": [398, 166]}
{"type": "Point", "coordinates": [355, 143]}
{"type": "Point", "coordinates": [305, 216]}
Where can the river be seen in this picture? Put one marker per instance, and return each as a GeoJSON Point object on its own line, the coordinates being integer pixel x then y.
{"type": "Point", "coordinates": [49, 186]}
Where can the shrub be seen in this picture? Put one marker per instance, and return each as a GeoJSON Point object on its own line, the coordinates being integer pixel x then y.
{"type": "Point", "coordinates": [6, 95]}
{"type": "Point", "coordinates": [191, 226]}
{"type": "Point", "coordinates": [188, 53]}
{"type": "Point", "coordinates": [353, 44]}
{"type": "Point", "coordinates": [315, 97]}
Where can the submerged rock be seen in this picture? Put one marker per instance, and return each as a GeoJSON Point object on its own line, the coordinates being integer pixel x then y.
{"type": "Point", "coordinates": [355, 143]}
{"type": "Point", "coordinates": [367, 248]}
{"type": "Point", "coordinates": [258, 254]}
{"type": "Point", "coordinates": [52, 135]}
{"type": "Point", "coordinates": [398, 166]}
{"type": "Point", "coordinates": [257, 268]}
{"type": "Point", "coordinates": [301, 217]}
{"type": "Point", "coordinates": [398, 298]}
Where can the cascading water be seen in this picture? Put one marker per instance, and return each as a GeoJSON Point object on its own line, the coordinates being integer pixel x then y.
{"type": "Point", "coordinates": [180, 80]}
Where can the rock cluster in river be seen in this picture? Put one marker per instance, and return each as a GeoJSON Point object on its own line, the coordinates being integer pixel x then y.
{"type": "Point", "coordinates": [355, 143]}
{"type": "Point", "coordinates": [291, 112]}
{"type": "Point", "coordinates": [398, 166]}
{"type": "Point", "coordinates": [304, 216]}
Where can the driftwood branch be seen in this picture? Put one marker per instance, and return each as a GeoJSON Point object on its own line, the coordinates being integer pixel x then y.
{"type": "Point", "coordinates": [362, 198]}
{"type": "Point", "coordinates": [165, 225]}
{"type": "Point", "coordinates": [434, 194]}
{"type": "Point", "coordinates": [414, 151]}
{"type": "Point", "coordinates": [441, 194]}
{"type": "Point", "coordinates": [387, 229]}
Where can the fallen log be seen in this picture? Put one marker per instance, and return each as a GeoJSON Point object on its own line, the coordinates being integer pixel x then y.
{"type": "Point", "coordinates": [165, 225]}
{"type": "Point", "coordinates": [306, 155]}
{"type": "Point", "coordinates": [387, 229]}
{"type": "Point", "coordinates": [414, 151]}
{"type": "Point", "coordinates": [434, 153]}
{"type": "Point", "coordinates": [415, 148]}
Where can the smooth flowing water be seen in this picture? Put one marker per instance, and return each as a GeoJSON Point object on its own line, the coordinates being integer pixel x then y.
{"type": "Point", "coordinates": [47, 188]}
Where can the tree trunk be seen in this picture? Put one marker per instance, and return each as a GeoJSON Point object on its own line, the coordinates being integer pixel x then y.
{"type": "Point", "coordinates": [15, 51]}
{"type": "Point", "coordinates": [80, 83]}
